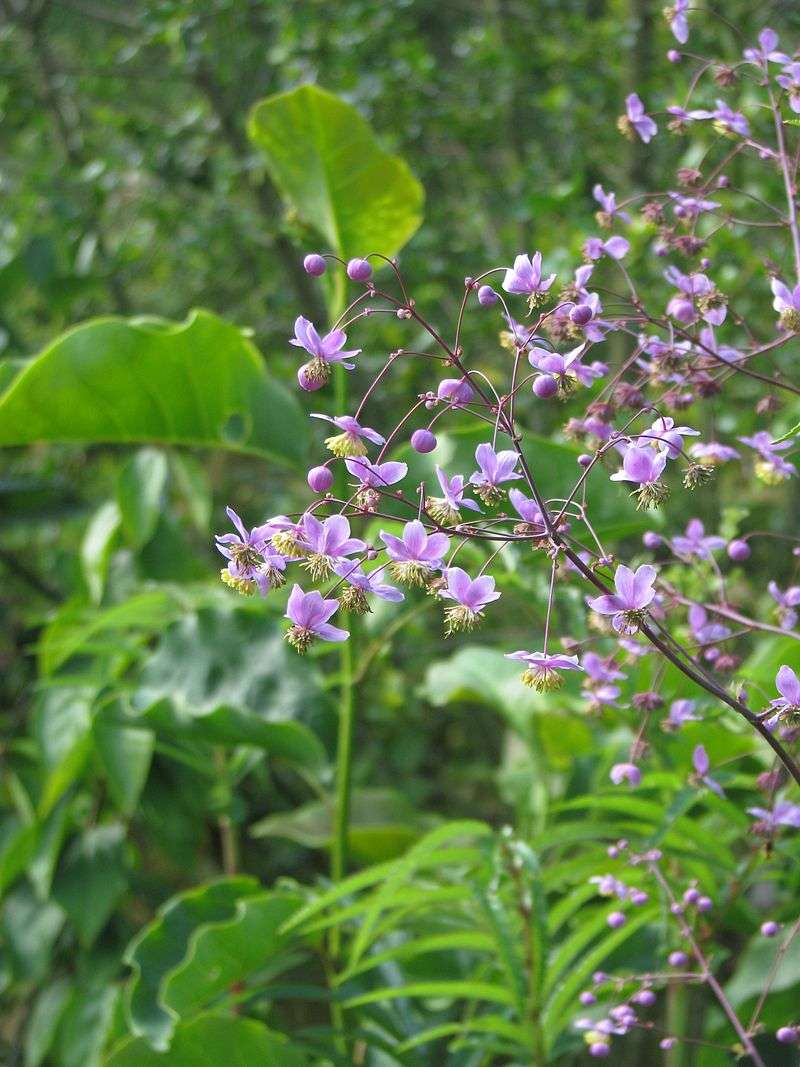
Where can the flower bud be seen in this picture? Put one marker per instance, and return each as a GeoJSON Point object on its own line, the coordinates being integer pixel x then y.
{"type": "Point", "coordinates": [705, 904]}
{"type": "Point", "coordinates": [738, 551]}
{"type": "Point", "coordinates": [320, 479]}
{"type": "Point", "coordinates": [677, 959]}
{"type": "Point", "coordinates": [487, 296]}
{"type": "Point", "coordinates": [584, 460]}
{"type": "Point", "coordinates": [358, 270]}
{"type": "Point", "coordinates": [769, 928]}
{"type": "Point", "coordinates": [691, 896]}
{"type": "Point", "coordinates": [314, 264]}
{"type": "Point", "coordinates": [599, 1049]}
{"type": "Point", "coordinates": [616, 919]}
{"type": "Point", "coordinates": [545, 386]}
{"type": "Point", "coordinates": [650, 539]}
{"type": "Point", "coordinates": [666, 1043]}
{"type": "Point", "coordinates": [581, 314]}
{"type": "Point", "coordinates": [674, 56]}
{"type": "Point", "coordinates": [423, 441]}
{"type": "Point", "coordinates": [587, 998]}
{"type": "Point", "coordinates": [645, 997]}
{"type": "Point", "coordinates": [787, 1035]}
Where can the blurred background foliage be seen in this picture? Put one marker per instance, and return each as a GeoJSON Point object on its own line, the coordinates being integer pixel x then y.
{"type": "Point", "coordinates": [157, 731]}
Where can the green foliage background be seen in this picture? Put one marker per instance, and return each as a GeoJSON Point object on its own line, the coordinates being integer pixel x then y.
{"type": "Point", "coordinates": [167, 786]}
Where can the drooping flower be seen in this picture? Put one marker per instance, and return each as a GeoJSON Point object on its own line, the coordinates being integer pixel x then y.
{"type": "Point", "coordinates": [542, 669]}
{"type": "Point", "coordinates": [566, 369]}
{"type": "Point", "coordinates": [787, 705]}
{"type": "Point", "coordinates": [350, 442]}
{"type": "Point", "coordinates": [323, 350]}
{"type": "Point", "coordinates": [525, 278]}
{"type": "Point", "coordinates": [457, 391]}
{"type": "Point", "coordinates": [309, 614]}
{"type": "Point", "coordinates": [789, 79]}
{"type": "Point", "coordinates": [637, 120]}
{"type": "Point", "coordinates": [782, 814]}
{"type": "Point", "coordinates": [495, 468]}
{"type": "Point", "coordinates": [634, 593]}
{"type": "Point", "coordinates": [730, 121]}
{"type": "Point", "coordinates": [608, 207]}
{"type": "Point", "coordinates": [470, 595]}
{"type": "Point", "coordinates": [770, 467]}
{"type": "Point", "coordinates": [696, 294]}
{"type": "Point", "coordinates": [615, 247]}
{"type": "Point", "coordinates": [354, 598]}
{"type": "Point", "coordinates": [625, 772]}
{"type": "Point", "coordinates": [373, 477]}
{"type": "Point", "coordinates": [696, 542]}
{"type": "Point", "coordinates": [530, 513]}
{"type": "Point", "coordinates": [445, 509]}
{"type": "Point", "coordinates": [678, 21]}
{"type": "Point", "coordinates": [326, 543]}
{"type": "Point", "coordinates": [786, 604]}
{"type": "Point", "coordinates": [702, 765]}
{"type": "Point", "coordinates": [707, 633]}
{"type": "Point", "coordinates": [416, 554]}
{"type": "Point", "coordinates": [664, 432]}
{"type": "Point", "coordinates": [787, 303]}
{"type": "Point", "coordinates": [767, 49]}
{"type": "Point", "coordinates": [680, 712]}
{"type": "Point", "coordinates": [253, 562]}
{"type": "Point", "coordinates": [645, 467]}
{"type": "Point", "coordinates": [712, 452]}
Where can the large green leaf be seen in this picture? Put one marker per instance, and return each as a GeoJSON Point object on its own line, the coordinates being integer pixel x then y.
{"type": "Point", "coordinates": [92, 879]}
{"type": "Point", "coordinates": [200, 382]}
{"type": "Point", "coordinates": [324, 159]}
{"type": "Point", "coordinates": [211, 1040]}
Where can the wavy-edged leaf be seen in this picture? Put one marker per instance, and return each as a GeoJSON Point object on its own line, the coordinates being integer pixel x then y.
{"type": "Point", "coordinates": [200, 382]}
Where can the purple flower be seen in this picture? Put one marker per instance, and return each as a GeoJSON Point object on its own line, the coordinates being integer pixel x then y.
{"type": "Point", "coordinates": [678, 22]}
{"type": "Point", "coordinates": [732, 121]}
{"type": "Point", "coordinates": [680, 712]}
{"type": "Point", "coordinates": [770, 467]}
{"type": "Point", "coordinates": [566, 369]}
{"type": "Point", "coordinates": [599, 669]}
{"type": "Point", "coordinates": [470, 595]}
{"type": "Point", "coordinates": [664, 431]}
{"type": "Point", "coordinates": [782, 814]}
{"type": "Point", "coordinates": [644, 466]}
{"type": "Point", "coordinates": [786, 602]}
{"type": "Point", "coordinates": [787, 705]}
{"type": "Point", "coordinates": [625, 772]}
{"type": "Point", "coordinates": [713, 452]}
{"type": "Point", "coordinates": [789, 79]}
{"type": "Point", "coordinates": [324, 351]}
{"type": "Point", "coordinates": [690, 207]}
{"type": "Point", "coordinates": [637, 119]}
{"type": "Point", "coordinates": [767, 49]}
{"type": "Point", "coordinates": [252, 560]}
{"type": "Point", "coordinates": [528, 510]}
{"type": "Point", "coordinates": [707, 633]}
{"type": "Point", "coordinates": [695, 541]}
{"type": "Point", "coordinates": [542, 669]}
{"type": "Point", "coordinates": [360, 584]}
{"type": "Point", "coordinates": [682, 115]}
{"type": "Point", "coordinates": [326, 543]}
{"type": "Point", "coordinates": [634, 593]}
{"type": "Point", "coordinates": [495, 468]}
{"type": "Point", "coordinates": [787, 303]}
{"type": "Point", "coordinates": [696, 293]}
{"type": "Point", "coordinates": [376, 475]}
{"type": "Point", "coordinates": [349, 442]}
{"type": "Point", "coordinates": [309, 614]}
{"type": "Point", "coordinates": [608, 206]}
{"type": "Point", "coordinates": [701, 764]}
{"type": "Point", "coordinates": [525, 278]}
{"type": "Point", "coordinates": [445, 509]}
{"type": "Point", "coordinates": [416, 554]}
{"type": "Point", "coordinates": [615, 247]}
{"type": "Point", "coordinates": [457, 391]}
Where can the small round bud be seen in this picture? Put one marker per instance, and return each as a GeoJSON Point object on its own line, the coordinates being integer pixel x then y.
{"type": "Point", "coordinates": [599, 977]}
{"type": "Point", "coordinates": [639, 897]}
{"type": "Point", "coordinates": [320, 479]}
{"type": "Point", "coordinates": [581, 314]}
{"type": "Point", "coordinates": [599, 1049]}
{"type": "Point", "coordinates": [769, 928]}
{"type": "Point", "coordinates": [423, 441]}
{"type": "Point", "coordinates": [787, 1035]}
{"type": "Point", "coordinates": [666, 1043]}
{"type": "Point", "coordinates": [545, 386]}
{"type": "Point", "coordinates": [645, 997]}
{"type": "Point", "coordinates": [738, 550]}
{"type": "Point", "coordinates": [587, 998]}
{"type": "Point", "coordinates": [358, 270]}
{"type": "Point", "coordinates": [487, 296]}
{"type": "Point", "coordinates": [723, 181]}
{"type": "Point", "coordinates": [674, 56]}
{"type": "Point", "coordinates": [705, 904]}
{"type": "Point", "coordinates": [314, 265]}
{"type": "Point", "coordinates": [584, 460]}
{"type": "Point", "coordinates": [676, 908]}
{"type": "Point", "coordinates": [705, 263]}
{"type": "Point", "coordinates": [616, 919]}
{"type": "Point", "coordinates": [691, 896]}
{"type": "Point", "coordinates": [677, 959]}
{"type": "Point", "coordinates": [650, 539]}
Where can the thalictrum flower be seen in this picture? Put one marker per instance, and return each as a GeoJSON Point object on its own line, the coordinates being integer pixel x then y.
{"type": "Point", "coordinates": [712, 452]}
{"type": "Point", "coordinates": [634, 594]}
{"type": "Point", "coordinates": [529, 511]}
{"type": "Point", "coordinates": [787, 602]}
{"type": "Point", "coordinates": [731, 121]}
{"type": "Point", "coordinates": [608, 206]}
{"type": "Point", "coordinates": [494, 469]}
{"type": "Point", "coordinates": [470, 595]}
{"type": "Point", "coordinates": [789, 79]}
{"type": "Point", "coordinates": [690, 207]}
{"type": "Point", "coordinates": [787, 303]}
{"type": "Point", "coordinates": [542, 669]}
{"type": "Point", "coordinates": [707, 633]}
{"type": "Point", "coordinates": [636, 119]}
{"type": "Point", "coordinates": [701, 764]}
{"type": "Point", "coordinates": [445, 509]}
{"type": "Point", "coordinates": [376, 475]}
{"type": "Point", "coordinates": [457, 391]}
{"type": "Point", "coordinates": [416, 554]}
{"type": "Point", "coordinates": [787, 705]}
{"type": "Point", "coordinates": [680, 712]}
{"type": "Point", "coordinates": [350, 442]}
{"type": "Point", "coordinates": [615, 247]}
{"type": "Point", "coordinates": [309, 614]}
{"type": "Point", "coordinates": [625, 772]}
{"type": "Point", "coordinates": [767, 49]}
{"type": "Point", "coordinates": [644, 466]}
{"type": "Point", "coordinates": [525, 278]}
{"type": "Point", "coordinates": [567, 369]}
{"type": "Point", "coordinates": [324, 350]}
{"type": "Point", "coordinates": [253, 561]}
{"type": "Point", "coordinates": [326, 543]}
{"type": "Point", "coordinates": [697, 293]}
{"type": "Point", "coordinates": [678, 22]}
{"type": "Point", "coordinates": [664, 432]}
{"type": "Point", "coordinates": [770, 467]}
{"type": "Point", "coordinates": [354, 598]}
{"type": "Point", "coordinates": [695, 541]}
{"type": "Point", "coordinates": [782, 814]}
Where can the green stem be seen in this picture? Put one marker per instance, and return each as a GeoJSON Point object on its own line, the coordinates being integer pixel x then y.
{"type": "Point", "coordinates": [344, 747]}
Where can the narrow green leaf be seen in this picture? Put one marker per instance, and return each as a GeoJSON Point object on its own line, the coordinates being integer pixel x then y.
{"type": "Point", "coordinates": [455, 990]}
{"type": "Point", "coordinates": [140, 488]}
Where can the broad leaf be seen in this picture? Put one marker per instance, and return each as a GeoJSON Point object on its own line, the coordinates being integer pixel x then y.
{"type": "Point", "coordinates": [324, 159]}
{"type": "Point", "coordinates": [200, 382]}
{"type": "Point", "coordinates": [92, 879]}
{"type": "Point", "coordinates": [140, 488]}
